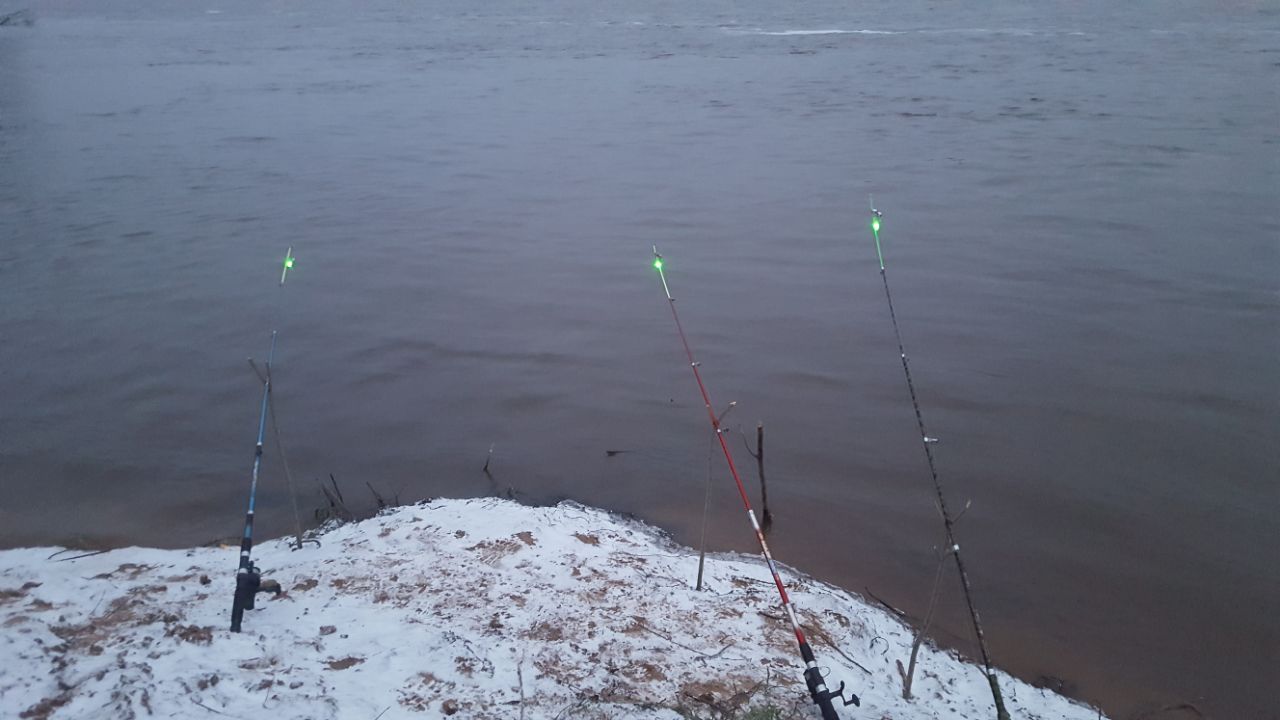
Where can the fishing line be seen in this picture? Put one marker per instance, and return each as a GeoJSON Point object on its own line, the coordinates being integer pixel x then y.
{"type": "Point", "coordinates": [822, 697]}
{"type": "Point", "coordinates": [948, 522]}
{"type": "Point", "coordinates": [248, 578]}
{"type": "Point", "coordinates": [288, 476]}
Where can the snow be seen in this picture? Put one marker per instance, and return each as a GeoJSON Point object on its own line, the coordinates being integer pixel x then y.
{"type": "Point", "coordinates": [472, 608]}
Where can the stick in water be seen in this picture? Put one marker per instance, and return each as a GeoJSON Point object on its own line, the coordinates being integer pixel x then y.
{"type": "Point", "coordinates": [948, 522]}
{"type": "Point", "coordinates": [766, 517]}
{"type": "Point", "coordinates": [822, 697]}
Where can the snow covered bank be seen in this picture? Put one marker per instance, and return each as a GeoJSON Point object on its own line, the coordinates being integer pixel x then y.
{"type": "Point", "coordinates": [472, 608]}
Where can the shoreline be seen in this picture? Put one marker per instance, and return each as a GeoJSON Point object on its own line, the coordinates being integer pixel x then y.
{"type": "Point", "coordinates": [482, 607]}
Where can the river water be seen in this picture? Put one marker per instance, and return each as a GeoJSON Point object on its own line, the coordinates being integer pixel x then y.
{"type": "Point", "coordinates": [1082, 220]}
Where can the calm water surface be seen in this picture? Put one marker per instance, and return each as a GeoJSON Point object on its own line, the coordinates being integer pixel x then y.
{"type": "Point", "coordinates": [1082, 225]}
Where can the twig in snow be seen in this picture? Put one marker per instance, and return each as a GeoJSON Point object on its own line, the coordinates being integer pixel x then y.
{"type": "Point", "coordinates": [575, 706]}
{"type": "Point", "coordinates": [77, 557]}
{"type": "Point", "coordinates": [206, 707]}
{"type": "Point", "coordinates": [664, 556]}
{"type": "Point", "coordinates": [520, 679]}
{"type": "Point", "coordinates": [668, 638]}
{"type": "Point", "coordinates": [909, 673]}
{"type": "Point", "coordinates": [820, 633]}
{"type": "Point", "coordinates": [730, 706]}
{"type": "Point", "coordinates": [384, 712]}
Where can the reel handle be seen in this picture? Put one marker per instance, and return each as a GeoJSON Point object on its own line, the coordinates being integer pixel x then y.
{"type": "Point", "coordinates": [823, 697]}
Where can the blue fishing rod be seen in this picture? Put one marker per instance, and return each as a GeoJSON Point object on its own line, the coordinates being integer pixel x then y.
{"type": "Point", "coordinates": [248, 578]}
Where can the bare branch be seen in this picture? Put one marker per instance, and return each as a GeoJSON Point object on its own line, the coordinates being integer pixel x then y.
{"type": "Point", "coordinates": [641, 624]}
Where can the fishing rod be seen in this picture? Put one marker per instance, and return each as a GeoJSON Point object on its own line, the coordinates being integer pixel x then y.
{"type": "Point", "coordinates": [948, 521]}
{"type": "Point", "coordinates": [248, 578]}
{"type": "Point", "coordinates": [822, 697]}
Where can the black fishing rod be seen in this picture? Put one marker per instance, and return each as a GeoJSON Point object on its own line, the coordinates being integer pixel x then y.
{"type": "Point", "coordinates": [248, 578]}
{"type": "Point", "coordinates": [948, 521]}
{"type": "Point", "coordinates": [822, 697]}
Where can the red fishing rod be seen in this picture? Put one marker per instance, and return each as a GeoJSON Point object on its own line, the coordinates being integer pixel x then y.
{"type": "Point", "coordinates": [822, 697]}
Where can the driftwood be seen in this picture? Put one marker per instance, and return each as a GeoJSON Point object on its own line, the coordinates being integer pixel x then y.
{"type": "Point", "coordinates": [510, 492]}
{"type": "Point", "coordinates": [383, 503]}
{"type": "Point", "coordinates": [338, 509]}
{"type": "Point", "coordinates": [20, 18]}
{"type": "Point", "coordinates": [1161, 711]}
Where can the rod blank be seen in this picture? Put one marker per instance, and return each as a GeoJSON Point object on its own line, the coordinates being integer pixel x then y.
{"type": "Point", "coordinates": [818, 690]}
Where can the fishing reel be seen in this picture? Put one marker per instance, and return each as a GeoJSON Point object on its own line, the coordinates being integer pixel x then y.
{"type": "Point", "coordinates": [248, 585]}
{"type": "Point", "coordinates": [822, 697]}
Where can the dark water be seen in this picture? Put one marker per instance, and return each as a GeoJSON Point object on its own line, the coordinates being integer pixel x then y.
{"type": "Point", "coordinates": [1082, 225]}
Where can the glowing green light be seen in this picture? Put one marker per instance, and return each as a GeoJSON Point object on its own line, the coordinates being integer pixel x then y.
{"type": "Point", "coordinates": [657, 263]}
{"type": "Point", "coordinates": [288, 262]}
{"type": "Point", "coordinates": [875, 224]}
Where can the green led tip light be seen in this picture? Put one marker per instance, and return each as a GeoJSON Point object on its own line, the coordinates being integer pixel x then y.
{"type": "Point", "coordinates": [288, 264]}
{"type": "Point", "coordinates": [657, 265]}
{"type": "Point", "coordinates": [875, 232]}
